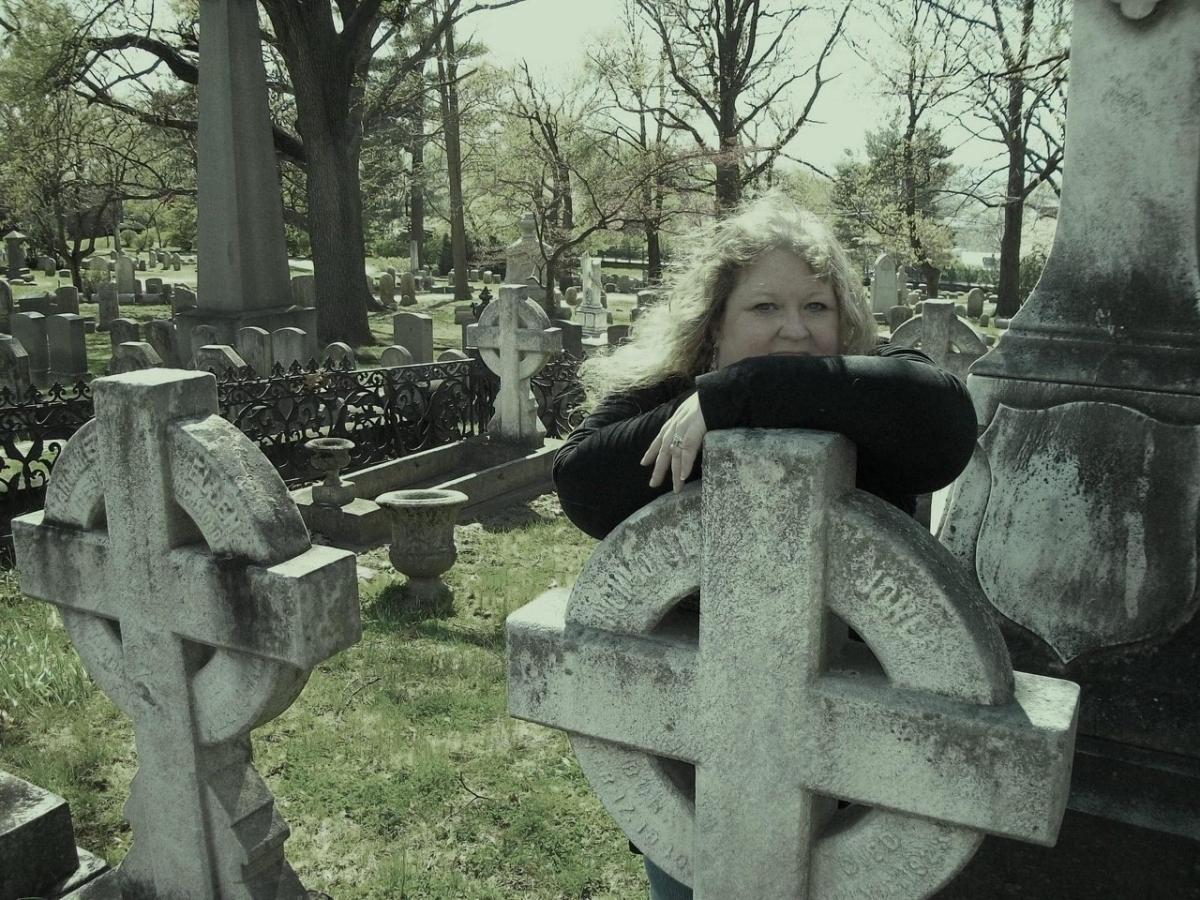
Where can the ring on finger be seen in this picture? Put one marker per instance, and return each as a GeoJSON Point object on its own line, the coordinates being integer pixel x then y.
{"type": "Point", "coordinates": [676, 442]}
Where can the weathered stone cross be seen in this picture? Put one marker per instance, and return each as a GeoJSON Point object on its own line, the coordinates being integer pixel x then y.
{"type": "Point", "coordinates": [515, 339]}
{"type": "Point", "coordinates": [776, 712]}
{"type": "Point", "coordinates": [945, 338]}
{"type": "Point", "coordinates": [186, 579]}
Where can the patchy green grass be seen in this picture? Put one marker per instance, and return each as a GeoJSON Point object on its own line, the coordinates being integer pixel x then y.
{"type": "Point", "coordinates": [398, 769]}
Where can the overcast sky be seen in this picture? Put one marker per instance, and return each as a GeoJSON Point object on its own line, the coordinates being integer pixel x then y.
{"type": "Point", "coordinates": [553, 36]}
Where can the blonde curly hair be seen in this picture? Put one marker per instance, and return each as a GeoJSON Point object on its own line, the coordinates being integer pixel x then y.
{"type": "Point", "coordinates": [674, 337]}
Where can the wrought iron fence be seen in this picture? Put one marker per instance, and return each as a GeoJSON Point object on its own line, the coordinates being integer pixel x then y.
{"type": "Point", "coordinates": [387, 413]}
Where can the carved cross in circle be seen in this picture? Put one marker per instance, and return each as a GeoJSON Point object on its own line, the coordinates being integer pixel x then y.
{"type": "Point", "coordinates": [776, 711]}
{"type": "Point", "coordinates": [515, 339]}
{"type": "Point", "coordinates": [187, 582]}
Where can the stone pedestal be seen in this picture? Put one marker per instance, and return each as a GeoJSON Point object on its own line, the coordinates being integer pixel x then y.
{"type": "Point", "coordinates": [1078, 513]}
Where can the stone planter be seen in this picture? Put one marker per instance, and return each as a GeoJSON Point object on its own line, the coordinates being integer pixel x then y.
{"type": "Point", "coordinates": [330, 455]}
{"type": "Point", "coordinates": [423, 539]}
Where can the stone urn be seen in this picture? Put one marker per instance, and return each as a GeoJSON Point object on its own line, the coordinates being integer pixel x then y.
{"type": "Point", "coordinates": [423, 539]}
{"type": "Point", "coordinates": [330, 455]}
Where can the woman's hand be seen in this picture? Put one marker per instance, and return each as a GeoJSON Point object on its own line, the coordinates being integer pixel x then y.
{"type": "Point", "coordinates": [677, 444]}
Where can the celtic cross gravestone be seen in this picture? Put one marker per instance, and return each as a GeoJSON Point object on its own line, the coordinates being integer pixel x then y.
{"type": "Point", "coordinates": [515, 339]}
{"type": "Point", "coordinates": [945, 338]}
{"type": "Point", "coordinates": [186, 580]}
{"type": "Point", "coordinates": [720, 745]}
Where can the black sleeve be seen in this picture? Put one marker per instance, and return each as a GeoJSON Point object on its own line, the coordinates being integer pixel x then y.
{"type": "Point", "coordinates": [914, 426]}
{"type": "Point", "coordinates": [913, 423]}
{"type": "Point", "coordinates": [598, 472]}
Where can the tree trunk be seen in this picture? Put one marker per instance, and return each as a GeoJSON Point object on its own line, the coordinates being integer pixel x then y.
{"type": "Point", "coordinates": [416, 198]}
{"type": "Point", "coordinates": [1008, 299]}
{"type": "Point", "coordinates": [729, 177]}
{"type": "Point", "coordinates": [336, 230]}
{"type": "Point", "coordinates": [448, 75]}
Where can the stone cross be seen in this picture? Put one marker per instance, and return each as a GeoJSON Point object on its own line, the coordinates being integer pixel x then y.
{"type": "Point", "coordinates": [515, 339]}
{"type": "Point", "coordinates": [186, 580]}
{"type": "Point", "coordinates": [942, 336]}
{"type": "Point", "coordinates": [778, 713]}
{"type": "Point", "coordinates": [592, 314]}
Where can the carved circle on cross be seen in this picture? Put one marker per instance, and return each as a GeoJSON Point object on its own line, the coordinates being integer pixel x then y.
{"type": "Point", "coordinates": [633, 581]}
{"type": "Point", "coordinates": [266, 523]}
{"type": "Point", "coordinates": [530, 317]}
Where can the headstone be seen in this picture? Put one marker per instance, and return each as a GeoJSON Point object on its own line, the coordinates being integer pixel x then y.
{"type": "Point", "coordinates": [883, 284]}
{"type": "Point", "coordinates": [415, 332]}
{"type": "Point", "coordinates": [154, 286]}
{"type": "Point", "coordinates": [160, 492]}
{"type": "Point", "coordinates": [43, 304]}
{"type": "Point", "coordinates": [64, 274]}
{"type": "Point", "coordinates": [338, 355]}
{"type": "Point", "coordinates": [176, 262]}
{"type": "Point", "coordinates": [30, 329]}
{"type": "Point", "coordinates": [984, 320]}
{"type": "Point", "coordinates": [571, 297]}
{"type": "Point", "coordinates": [304, 290]}
{"type": "Point", "coordinates": [387, 289]}
{"type": "Point", "coordinates": [218, 359]}
{"type": "Point", "coordinates": [617, 335]}
{"type": "Point", "coordinates": [395, 356]}
{"type": "Point", "coordinates": [610, 287]}
{"type": "Point", "coordinates": [408, 289]}
{"type": "Point", "coordinates": [182, 298]}
{"type": "Point", "coordinates": [121, 331]}
{"type": "Point", "coordinates": [254, 346]}
{"type": "Point", "coordinates": [47, 265]}
{"type": "Point", "coordinates": [6, 305]}
{"type": "Point", "coordinates": [133, 356]}
{"type": "Point", "coordinates": [593, 315]}
{"type": "Point", "coordinates": [487, 277]}
{"type": "Point", "coordinates": [974, 303]}
{"type": "Point", "coordinates": [636, 313]}
{"type": "Point", "coordinates": [646, 299]}
{"type": "Point", "coordinates": [901, 283]}
{"type": "Point", "coordinates": [289, 346]}
{"type": "Point", "coordinates": [66, 299]}
{"type": "Point", "coordinates": [125, 276]}
{"type": "Point", "coordinates": [14, 370]}
{"type": "Point", "coordinates": [1078, 513]}
{"type": "Point", "coordinates": [524, 258]}
{"type": "Point", "coordinates": [108, 306]}
{"type": "Point", "coordinates": [67, 342]}
{"type": "Point", "coordinates": [464, 315]}
{"type": "Point", "coordinates": [572, 337]}
{"type": "Point", "coordinates": [942, 336]}
{"type": "Point", "coordinates": [515, 339]}
{"type": "Point", "coordinates": [897, 315]}
{"type": "Point", "coordinates": [38, 856]}
{"type": "Point", "coordinates": [452, 355]}
{"type": "Point", "coordinates": [200, 336]}
{"type": "Point", "coordinates": [162, 335]}
{"type": "Point", "coordinates": [767, 703]}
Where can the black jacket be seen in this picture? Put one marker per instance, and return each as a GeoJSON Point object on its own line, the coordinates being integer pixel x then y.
{"type": "Point", "coordinates": [913, 423]}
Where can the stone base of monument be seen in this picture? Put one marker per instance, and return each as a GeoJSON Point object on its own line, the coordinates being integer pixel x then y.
{"type": "Point", "coordinates": [490, 473]}
{"type": "Point", "coordinates": [38, 856]}
{"type": "Point", "coordinates": [228, 323]}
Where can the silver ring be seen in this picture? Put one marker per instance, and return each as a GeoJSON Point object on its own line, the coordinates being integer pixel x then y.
{"type": "Point", "coordinates": [676, 442]}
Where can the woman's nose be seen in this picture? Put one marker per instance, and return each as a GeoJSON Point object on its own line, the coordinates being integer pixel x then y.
{"type": "Point", "coordinates": [793, 325]}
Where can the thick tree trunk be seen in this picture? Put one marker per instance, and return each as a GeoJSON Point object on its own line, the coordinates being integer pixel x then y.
{"type": "Point", "coordinates": [729, 180]}
{"type": "Point", "coordinates": [336, 229]}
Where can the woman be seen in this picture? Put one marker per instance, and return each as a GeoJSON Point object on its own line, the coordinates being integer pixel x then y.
{"type": "Point", "coordinates": [762, 328]}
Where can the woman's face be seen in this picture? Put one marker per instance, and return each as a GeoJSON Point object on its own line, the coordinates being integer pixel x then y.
{"type": "Point", "coordinates": [778, 306]}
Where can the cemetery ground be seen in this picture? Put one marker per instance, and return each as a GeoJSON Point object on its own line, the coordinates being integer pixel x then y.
{"type": "Point", "coordinates": [398, 768]}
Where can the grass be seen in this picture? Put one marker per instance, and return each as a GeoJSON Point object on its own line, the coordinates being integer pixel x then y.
{"type": "Point", "coordinates": [398, 769]}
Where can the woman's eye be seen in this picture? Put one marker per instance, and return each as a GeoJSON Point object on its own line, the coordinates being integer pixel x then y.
{"type": "Point", "coordinates": [818, 306]}
{"type": "Point", "coordinates": [765, 306]}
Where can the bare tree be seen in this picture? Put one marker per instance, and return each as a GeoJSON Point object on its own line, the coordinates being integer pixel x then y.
{"type": "Point", "coordinates": [729, 60]}
{"type": "Point", "coordinates": [1016, 64]}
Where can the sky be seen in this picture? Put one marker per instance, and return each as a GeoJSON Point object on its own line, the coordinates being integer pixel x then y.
{"type": "Point", "coordinates": [554, 35]}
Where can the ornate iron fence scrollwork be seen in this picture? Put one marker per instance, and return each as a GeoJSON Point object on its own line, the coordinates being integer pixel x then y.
{"type": "Point", "coordinates": [388, 413]}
